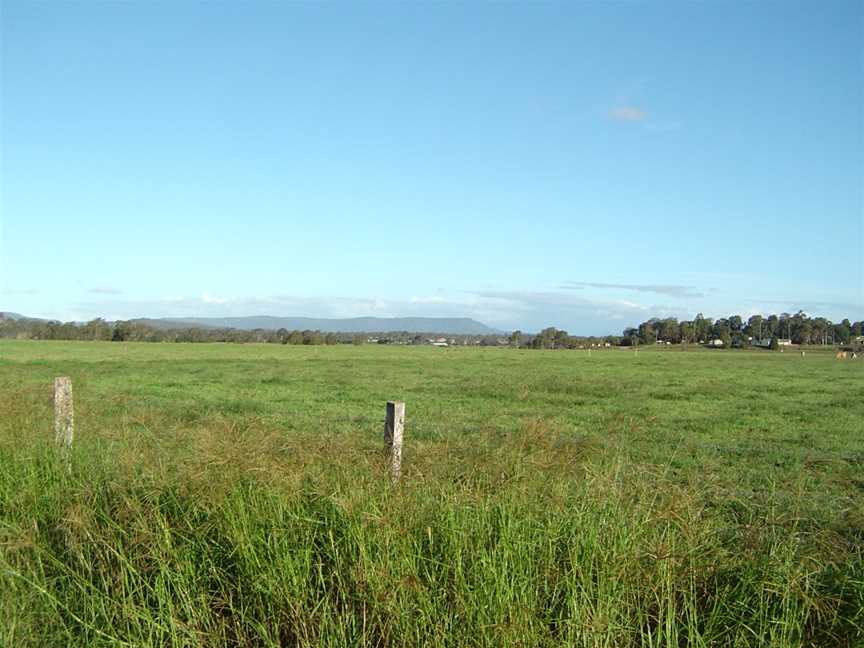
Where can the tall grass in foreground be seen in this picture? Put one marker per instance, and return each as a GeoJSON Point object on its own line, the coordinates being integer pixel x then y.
{"type": "Point", "coordinates": [531, 540]}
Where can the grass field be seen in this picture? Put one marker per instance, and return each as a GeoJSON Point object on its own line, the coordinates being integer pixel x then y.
{"type": "Point", "coordinates": [237, 495]}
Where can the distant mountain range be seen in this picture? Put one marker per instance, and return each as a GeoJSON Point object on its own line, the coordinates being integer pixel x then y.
{"type": "Point", "coordinates": [444, 325]}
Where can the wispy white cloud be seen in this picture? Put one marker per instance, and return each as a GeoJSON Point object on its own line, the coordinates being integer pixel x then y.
{"type": "Point", "coordinates": [627, 114]}
{"type": "Point", "coordinates": [577, 314]}
{"type": "Point", "coordinates": [432, 299]}
{"type": "Point", "coordinates": [104, 290]}
{"type": "Point", "coordinates": [207, 298]}
{"type": "Point", "coordinates": [628, 107]}
{"type": "Point", "coordinates": [213, 305]}
{"type": "Point", "coordinates": [659, 289]}
{"type": "Point", "coordinates": [809, 306]}
{"type": "Point", "coordinates": [19, 292]}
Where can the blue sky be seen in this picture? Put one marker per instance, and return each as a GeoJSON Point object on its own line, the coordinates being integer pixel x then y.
{"type": "Point", "coordinates": [582, 165]}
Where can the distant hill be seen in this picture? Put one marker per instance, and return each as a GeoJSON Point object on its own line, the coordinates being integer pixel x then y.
{"type": "Point", "coordinates": [13, 316]}
{"type": "Point", "coordinates": [444, 325]}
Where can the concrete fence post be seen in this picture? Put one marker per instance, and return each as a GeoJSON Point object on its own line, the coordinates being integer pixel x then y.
{"type": "Point", "coordinates": [394, 427]}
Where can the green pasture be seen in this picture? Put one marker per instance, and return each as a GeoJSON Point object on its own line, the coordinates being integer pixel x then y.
{"type": "Point", "coordinates": [237, 495]}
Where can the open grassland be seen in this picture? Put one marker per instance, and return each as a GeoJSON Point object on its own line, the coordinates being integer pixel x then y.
{"type": "Point", "coordinates": [237, 495]}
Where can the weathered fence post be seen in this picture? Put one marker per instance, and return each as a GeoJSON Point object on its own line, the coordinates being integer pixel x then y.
{"type": "Point", "coordinates": [394, 426]}
{"type": "Point", "coordinates": [64, 425]}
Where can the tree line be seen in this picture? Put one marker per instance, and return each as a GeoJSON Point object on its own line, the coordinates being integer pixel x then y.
{"type": "Point", "coordinates": [735, 332]}
{"type": "Point", "coordinates": [554, 338]}
{"type": "Point", "coordinates": [137, 331]}
{"type": "Point", "coordinates": [132, 331]}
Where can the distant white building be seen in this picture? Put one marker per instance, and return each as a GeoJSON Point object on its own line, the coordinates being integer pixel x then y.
{"type": "Point", "coordinates": [764, 343]}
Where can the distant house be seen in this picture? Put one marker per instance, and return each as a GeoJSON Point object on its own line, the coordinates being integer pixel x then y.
{"type": "Point", "coordinates": [438, 342]}
{"type": "Point", "coordinates": [715, 343]}
{"type": "Point", "coordinates": [765, 343]}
